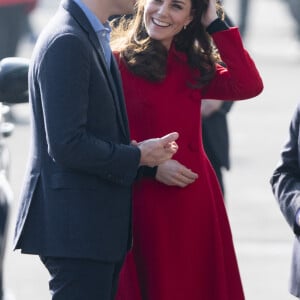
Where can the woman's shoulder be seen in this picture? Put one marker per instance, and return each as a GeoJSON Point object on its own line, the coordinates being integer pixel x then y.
{"type": "Point", "coordinates": [117, 55]}
{"type": "Point", "coordinates": [123, 68]}
{"type": "Point", "coordinates": [119, 60]}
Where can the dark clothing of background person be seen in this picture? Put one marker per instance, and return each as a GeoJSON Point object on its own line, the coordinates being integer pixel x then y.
{"type": "Point", "coordinates": [286, 188]}
{"type": "Point", "coordinates": [13, 24]}
{"type": "Point", "coordinates": [243, 16]}
{"type": "Point", "coordinates": [215, 136]}
{"type": "Point", "coordinates": [294, 6]}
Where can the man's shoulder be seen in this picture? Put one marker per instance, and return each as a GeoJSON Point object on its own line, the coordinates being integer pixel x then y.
{"type": "Point", "coordinates": [62, 22]}
{"type": "Point", "coordinates": [295, 122]}
{"type": "Point", "coordinates": [58, 39]}
{"type": "Point", "coordinates": [62, 26]}
{"type": "Point", "coordinates": [297, 111]}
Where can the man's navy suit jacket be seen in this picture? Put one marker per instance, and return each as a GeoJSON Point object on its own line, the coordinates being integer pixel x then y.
{"type": "Point", "coordinates": [286, 187]}
{"type": "Point", "coordinates": [76, 199]}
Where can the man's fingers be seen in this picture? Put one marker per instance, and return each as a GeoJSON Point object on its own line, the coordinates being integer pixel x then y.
{"type": "Point", "coordinates": [169, 143]}
{"type": "Point", "coordinates": [169, 138]}
{"type": "Point", "coordinates": [171, 148]}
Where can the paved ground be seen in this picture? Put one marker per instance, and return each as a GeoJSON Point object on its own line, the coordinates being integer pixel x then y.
{"type": "Point", "coordinates": [258, 129]}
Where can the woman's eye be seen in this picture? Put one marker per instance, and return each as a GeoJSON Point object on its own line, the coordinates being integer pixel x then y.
{"type": "Point", "coordinates": [177, 6]}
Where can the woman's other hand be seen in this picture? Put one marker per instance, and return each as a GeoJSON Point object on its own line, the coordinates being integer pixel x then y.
{"type": "Point", "coordinates": [211, 14]}
{"type": "Point", "coordinates": [173, 173]}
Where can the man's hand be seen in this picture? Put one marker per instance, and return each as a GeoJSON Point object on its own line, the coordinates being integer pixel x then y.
{"type": "Point", "coordinates": [156, 151]}
{"type": "Point", "coordinates": [174, 173]}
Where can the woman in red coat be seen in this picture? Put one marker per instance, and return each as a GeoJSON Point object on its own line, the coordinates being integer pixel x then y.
{"type": "Point", "coordinates": [182, 243]}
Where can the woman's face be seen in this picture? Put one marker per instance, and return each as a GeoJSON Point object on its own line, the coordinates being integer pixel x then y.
{"type": "Point", "coordinates": [165, 18]}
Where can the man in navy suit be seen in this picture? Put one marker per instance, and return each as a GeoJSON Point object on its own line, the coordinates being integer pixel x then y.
{"type": "Point", "coordinates": [286, 188]}
{"type": "Point", "coordinates": [75, 210]}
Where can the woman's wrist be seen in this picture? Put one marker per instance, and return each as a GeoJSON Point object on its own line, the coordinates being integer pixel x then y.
{"type": "Point", "coordinates": [216, 26]}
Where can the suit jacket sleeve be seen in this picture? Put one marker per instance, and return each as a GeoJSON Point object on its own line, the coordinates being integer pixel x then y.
{"type": "Point", "coordinates": [65, 91]}
{"type": "Point", "coordinates": [286, 177]}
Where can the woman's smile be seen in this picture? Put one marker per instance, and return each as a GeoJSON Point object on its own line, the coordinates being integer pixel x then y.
{"type": "Point", "coordinates": [160, 23]}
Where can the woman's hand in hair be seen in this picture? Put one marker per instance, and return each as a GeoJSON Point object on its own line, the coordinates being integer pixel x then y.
{"type": "Point", "coordinates": [211, 13]}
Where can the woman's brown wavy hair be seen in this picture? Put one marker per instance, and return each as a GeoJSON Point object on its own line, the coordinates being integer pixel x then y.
{"type": "Point", "coordinates": [147, 57]}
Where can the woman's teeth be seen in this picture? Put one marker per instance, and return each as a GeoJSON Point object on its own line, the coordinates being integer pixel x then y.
{"type": "Point", "coordinates": [160, 23]}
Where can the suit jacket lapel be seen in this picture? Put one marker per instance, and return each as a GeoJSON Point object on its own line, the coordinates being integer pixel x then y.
{"type": "Point", "coordinates": [119, 88]}
{"type": "Point", "coordinates": [114, 82]}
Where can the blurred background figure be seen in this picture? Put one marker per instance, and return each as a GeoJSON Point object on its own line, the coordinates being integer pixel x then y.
{"type": "Point", "coordinates": [216, 135]}
{"type": "Point", "coordinates": [294, 6]}
{"type": "Point", "coordinates": [14, 24]}
{"type": "Point", "coordinates": [215, 132]}
{"type": "Point", "coordinates": [243, 15]}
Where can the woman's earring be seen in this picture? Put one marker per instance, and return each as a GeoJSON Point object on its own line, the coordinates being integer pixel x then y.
{"type": "Point", "coordinates": [184, 27]}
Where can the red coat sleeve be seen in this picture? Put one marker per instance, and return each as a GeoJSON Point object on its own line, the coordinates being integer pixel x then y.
{"type": "Point", "coordinates": [240, 79]}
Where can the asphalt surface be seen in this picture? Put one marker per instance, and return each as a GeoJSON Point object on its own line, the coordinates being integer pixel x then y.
{"type": "Point", "coordinates": [258, 130]}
